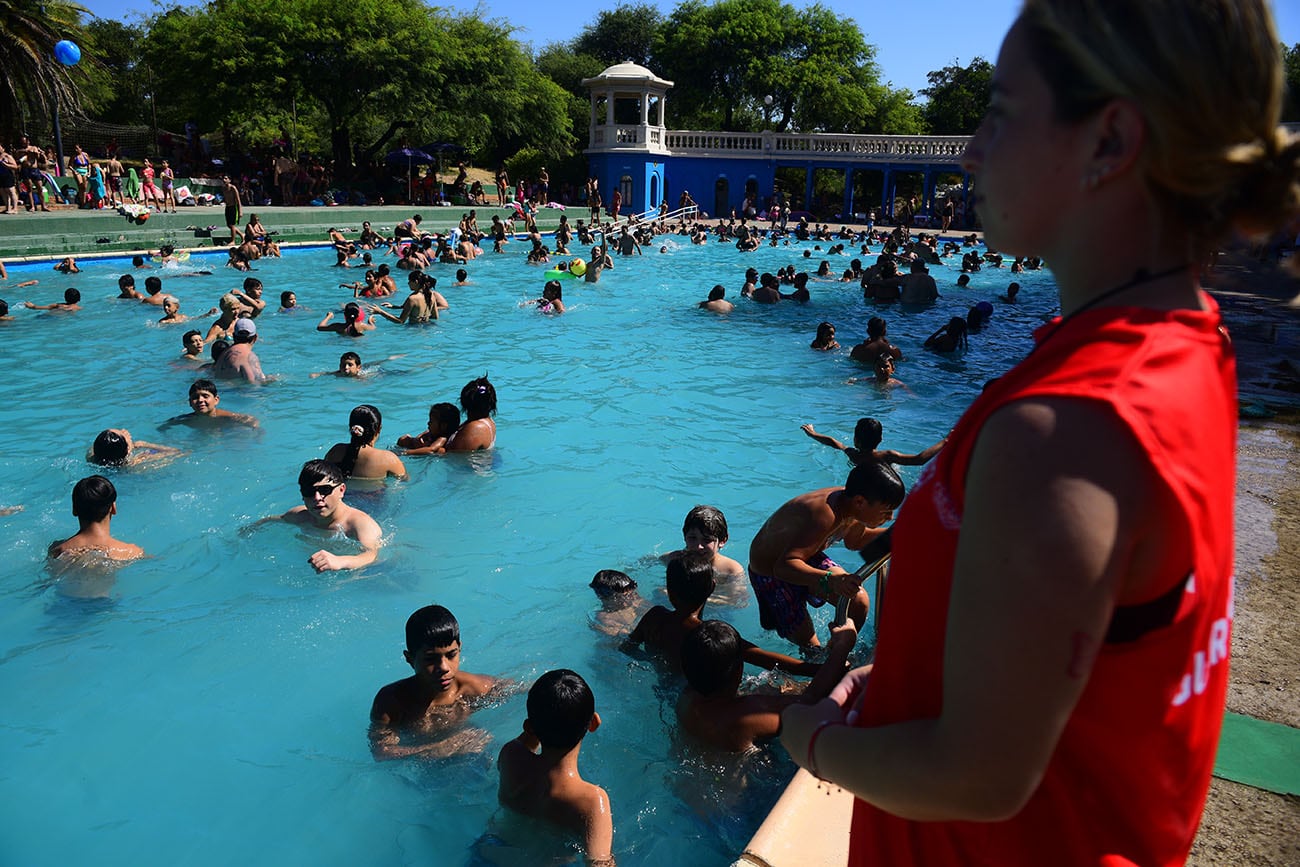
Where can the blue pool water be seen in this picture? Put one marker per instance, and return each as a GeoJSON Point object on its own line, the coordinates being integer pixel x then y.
{"type": "Point", "coordinates": [210, 705]}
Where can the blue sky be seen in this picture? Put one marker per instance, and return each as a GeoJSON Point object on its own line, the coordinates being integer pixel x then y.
{"type": "Point", "coordinates": [911, 38]}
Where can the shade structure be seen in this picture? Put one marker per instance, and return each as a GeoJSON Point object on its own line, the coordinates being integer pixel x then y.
{"type": "Point", "coordinates": [412, 157]}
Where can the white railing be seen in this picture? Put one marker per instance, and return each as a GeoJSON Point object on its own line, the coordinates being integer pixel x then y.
{"type": "Point", "coordinates": [828, 146]}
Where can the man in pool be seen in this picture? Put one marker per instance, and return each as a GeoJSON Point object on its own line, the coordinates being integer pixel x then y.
{"type": "Point", "coordinates": [322, 488]}
{"type": "Point", "coordinates": [116, 447]}
{"type": "Point", "coordinates": [240, 361]}
{"type": "Point", "coordinates": [716, 302]}
{"type": "Point", "coordinates": [204, 400]}
{"type": "Point", "coordinates": [94, 503]}
{"type": "Point", "coordinates": [788, 566]}
{"type": "Point", "coordinates": [429, 706]}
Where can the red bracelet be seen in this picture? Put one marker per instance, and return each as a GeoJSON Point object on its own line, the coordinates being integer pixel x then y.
{"type": "Point", "coordinates": [812, 745]}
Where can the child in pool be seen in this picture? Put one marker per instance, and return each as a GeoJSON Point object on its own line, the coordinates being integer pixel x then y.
{"type": "Point", "coordinates": [866, 441]}
{"type": "Point", "coordinates": [427, 707]}
{"type": "Point", "coordinates": [552, 300]}
{"type": "Point", "coordinates": [71, 303]}
{"type": "Point", "coordinates": [690, 582]}
{"type": "Point", "coordinates": [713, 710]}
{"type": "Point", "coordinates": [94, 503]}
{"type": "Point", "coordinates": [349, 366]}
{"type": "Point", "coordinates": [444, 419]}
{"type": "Point", "coordinates": [620, 603]}
{"type": "Point", "coordinates": [322, 487]}
{"type": "Point", "coordinates": [116, 447]}
{"type": "Point", "coordinates": [192, 341]}
{"type": "Point", "coordinates": [206, 413]}
{"type": "Point", "coordinates": [825, 339]}
{"type": "Point", "coordinates": [704, 534]}
{"type": "Point", "coordinates": [539, 769]}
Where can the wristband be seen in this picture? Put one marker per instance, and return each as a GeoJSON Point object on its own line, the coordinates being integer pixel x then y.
{"type": "Point", "coordinates": [812, 745]}
{"type": "Point", "coordinates": [826, 585]}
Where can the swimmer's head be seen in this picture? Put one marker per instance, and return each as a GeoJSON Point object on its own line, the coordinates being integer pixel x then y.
{"type": "Point", "coordinates": [229, 303]}
{"type": "Point", "coordinates": [478, 398]}
{"type": "Point", "coordinates": [288, 300]}
{"type": "Point", "coordinates": [350, 364]}
{"type": "Point", "coordinates": [690, 582]}
{"type": "Point", "coordinates": [874, 490]}
{"type": "Point", "coordinates": [171, 305]}
{"type": "Point", "coordinates": [431, 626]}
{"type": "Point", "coordinates": [351, 311]}
{"type": "Point", "coordinates": [446, 417]}
{"type": "Point", "coordinates": [203, 386]}
{"type": "Point", "coordinates": [93, 498]}
{"type": "Point", "coordinates": [192, 341]}
{"type": "Point", "coordinates": [867, 435]}
{"type": "Point", "coordinates": [253, 286]}
{"type": "Point", "coordinates": [1013, 290]}
{"type": "Point", "coordinates": [71, 296]}
{"type": "Point", "coordinates": [964, 280]}
{"type": "Point", "coordinates": [111, 447]}
{"type": "Point", "coordinates": [708, 521]}
{"type": "Point", "coordinates": [461, 275]}
{"type": "Point", "coordinates": [364, 423]}
{"type": "Point", "coordinates": [218, 348]}
{"type": "Point", "coordinates": [153, 285]}
{"type": "Point", "coordinates": [610, 582]}
{"type": "Point", "coordinates": [825, 331]}
{"type": "Point", "coordinates": [245, 330]}
{"type": "Point", "coordinates": [126, 281]}
{"type": "Point", "coordinates": [561, 709]}
{"type": "Point", "coordinates": [712, 658]}
{"type": "Point", "coordinates": [552, 291]}
{"type": "Point", "coordinates": [137, 261]}
{"type": "Point", "coordinates": [876, 327]}
{"type": "Point", "coordinates": [717, 293]}
{"type": "Point", "coordinates": [4, 307]}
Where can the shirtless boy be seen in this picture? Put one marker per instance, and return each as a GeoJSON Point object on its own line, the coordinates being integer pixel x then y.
{"type": "Point", "coordinates": [717, 302]}
{"type": "Point", "coordinates": [204, 400]}
{"type": "Point", "coordinates": [704, 535]}
{"type": "Point", "coordinates": [866, 445]}
{"type": "Point", "coordinates": [539, 769]}
{"type": "Point", "coordinates": [94, 503]}
{"type": "Point", "coordinates": [322, 488]}
{"type": "Point", "coordinates": [434, 700]}
{"type": "Point", "coordinates": [116, 447]}
{"type": "Point", "coordinates": [788, 566]}
{"type": "Point", "coordinates": [712, 708]}
{"type": "Point", "coordinates": [71, 303]}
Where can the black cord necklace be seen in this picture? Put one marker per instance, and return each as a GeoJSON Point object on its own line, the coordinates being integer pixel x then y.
{"type": "Point", "coordinates": [1140, 276]}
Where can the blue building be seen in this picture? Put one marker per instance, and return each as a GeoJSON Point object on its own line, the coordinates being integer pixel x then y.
{"type": "Point", "coordinates": [834, 177]}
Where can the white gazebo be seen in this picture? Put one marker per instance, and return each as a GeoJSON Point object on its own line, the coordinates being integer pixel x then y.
{"type": "Point", "coordinates": [627, 109]}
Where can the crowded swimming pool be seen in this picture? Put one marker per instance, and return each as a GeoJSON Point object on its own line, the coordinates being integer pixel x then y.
{"type": "Point", "coordinates": [210, 702]}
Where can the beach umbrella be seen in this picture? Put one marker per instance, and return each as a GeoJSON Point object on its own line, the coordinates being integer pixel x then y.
{"type": "Point", "coordinates": [412, 157]}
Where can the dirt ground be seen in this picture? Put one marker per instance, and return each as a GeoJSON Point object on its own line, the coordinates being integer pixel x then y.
{"type": "Point", "coordinates": [1244, 825]}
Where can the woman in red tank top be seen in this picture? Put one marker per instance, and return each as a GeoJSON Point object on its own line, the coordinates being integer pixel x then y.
{"type": "Point", "coordinates": [1052, 663]}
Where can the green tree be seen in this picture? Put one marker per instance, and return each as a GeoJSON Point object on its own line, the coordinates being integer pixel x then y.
{"type": "Point", "coordinates": [32, 81]}
{"type": "Point", "coordinates": [1291, 69]}
{"type": "Point", "coordinates": [626, 32]}
{"type": "Point", "coordinates": [116, 90]}
{"type": "Point", "coordinates": [957, 97]}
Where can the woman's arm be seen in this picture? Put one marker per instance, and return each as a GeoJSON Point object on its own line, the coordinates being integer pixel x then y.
{"type": "Point", "coordinates": [1058, 499]}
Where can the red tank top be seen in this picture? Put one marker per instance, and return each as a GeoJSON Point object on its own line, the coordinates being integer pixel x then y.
{"type": "Point", "coordinates": [1128, 778]}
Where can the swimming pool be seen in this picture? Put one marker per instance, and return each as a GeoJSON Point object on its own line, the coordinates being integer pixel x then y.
{"type": "Point", "coordinates": [211, 705]}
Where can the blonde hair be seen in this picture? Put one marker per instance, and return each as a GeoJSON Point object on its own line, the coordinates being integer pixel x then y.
{"type": "Point", "coordinates": [1207, 76]}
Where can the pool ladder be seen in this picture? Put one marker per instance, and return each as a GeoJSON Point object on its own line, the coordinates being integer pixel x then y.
{"type": "Point", "coordinates": [877, 567]}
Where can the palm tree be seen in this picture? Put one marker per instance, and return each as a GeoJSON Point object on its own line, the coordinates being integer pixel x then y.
{"type": "Point", "coordinates": [33, 80]}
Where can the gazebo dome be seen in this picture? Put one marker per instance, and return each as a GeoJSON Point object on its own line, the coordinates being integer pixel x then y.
{"type": "Point", "coordinates": [627, 72]}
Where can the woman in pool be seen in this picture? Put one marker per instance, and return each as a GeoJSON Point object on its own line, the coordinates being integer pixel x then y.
{"type": "Point", "coordinates": [552, 300]}
{"type": "Point", "coordinates": [479, 401]}
{"type": "Point", "coordinates": [1050, 675]}
{"type": "Point", "coordinates": [418, 308]}
{"type": "Point", "coordinates": [354, 322]}
{"type": "Point", "coordinates": [359, 458]}
{"type": "Point", "coordinates": [949, 337]}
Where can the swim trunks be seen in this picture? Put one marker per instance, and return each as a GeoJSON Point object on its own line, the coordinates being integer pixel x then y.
{"type": "Point", "coordinates": [784, 606]}
{"type": "Point", "coordinates": [232, 214]}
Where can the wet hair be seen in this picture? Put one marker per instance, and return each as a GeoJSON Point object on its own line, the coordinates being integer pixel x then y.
{"type": "Point", "coordinates": [136, 261]}
{"type": "Point", "coordinates": [316, 471]}
{"type": "Point", "coordinates": [824, 329]}
{"type": "Point", "coordinates": [431, 626]}
{"type": "Point", "coordinates": [706, 519]}
{"type": "Point", "coordinates": [204, 385]}
{"type": "Point", "coordinates": [717, 293]}
{"type": "Point", "coordinates": [349, 355]}
{"type": "Point", "coordinates": [364, 423]}
{"type": "Point", "coordinates": [711, 657]}
{"type": "Point", "coordinates": [251, 283]}
{"type": "Point", "coordinates": [560, 708]}
{"type": "Point", "coordinates": [185, 338]}
{"type": "Point", "coordinates": [963, 280]}
{"type": "Point", "coordinates": [461, 274]}
{"type": "Point", "coordinates": [125, 280]}
{"type": "Point", "coordinates": [478, 398]}
{"type": "Point", "coordinates": [219, 348]}
{"type": "Point", "coordinates": [690, 580]}
{"type": "Point", "coordinates": [71, 296]}
{"type": "Point", "coordinates": [867, 433]}
{"type": "Point", "coordinates": [448, 415]}
{"type": "Point", "coordinates": [351, 312]}
{"type": "Point", "coordinates": [876, 327]}
{"type": "Point", "coordinates": [876, 482]}
{"type": "Point", "coordinates": [4, 307]}
{"type": "Point", "coordinates": [152, 285]}
{"type": "Point", "coordinates": [93, 498]}
{"type": "Point", "coordinates": [608, 582]}
{"type": "Point", "coordinates": [284, 298]}
{"type": "Point", "coordinates": [551, 291]}
{"type": "Point", "coordinates": [1213, 156]}
{"type": "Point", "coordinates": [109, 449]}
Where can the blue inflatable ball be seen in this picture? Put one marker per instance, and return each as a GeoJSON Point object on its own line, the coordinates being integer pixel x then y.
{"type": "Point", "coordinates": [67, 52]}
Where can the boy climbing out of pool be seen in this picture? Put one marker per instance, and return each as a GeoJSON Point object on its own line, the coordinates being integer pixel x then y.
{"type": "Point", "coordinates": [423, 714]}
{"type": "Point", "coordinates": [788, 566]}
{"type": "Point", "coordinates": [444, 419]}
{"type": "Point", "coordinates": [866, 445]}
{"type": "Point", "coordinates": [712, 707]}
{"type": "Point", "coordinates": [539, 769]}
{"type": "Point", "coordinates": [94, 503]}
{"type": "Point", "coordinates": [322, 487]}
{"type": "Point", "coordinates": [663, 630]}
{"type": "Point", "coordinates": [203, 401]}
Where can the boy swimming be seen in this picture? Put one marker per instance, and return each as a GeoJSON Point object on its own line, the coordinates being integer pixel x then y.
{"type": "Point", "coordinates": [203, 401]}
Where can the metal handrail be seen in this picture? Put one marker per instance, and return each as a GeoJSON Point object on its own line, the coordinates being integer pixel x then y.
{"type": "Point", "coordinates": [879, 568]}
